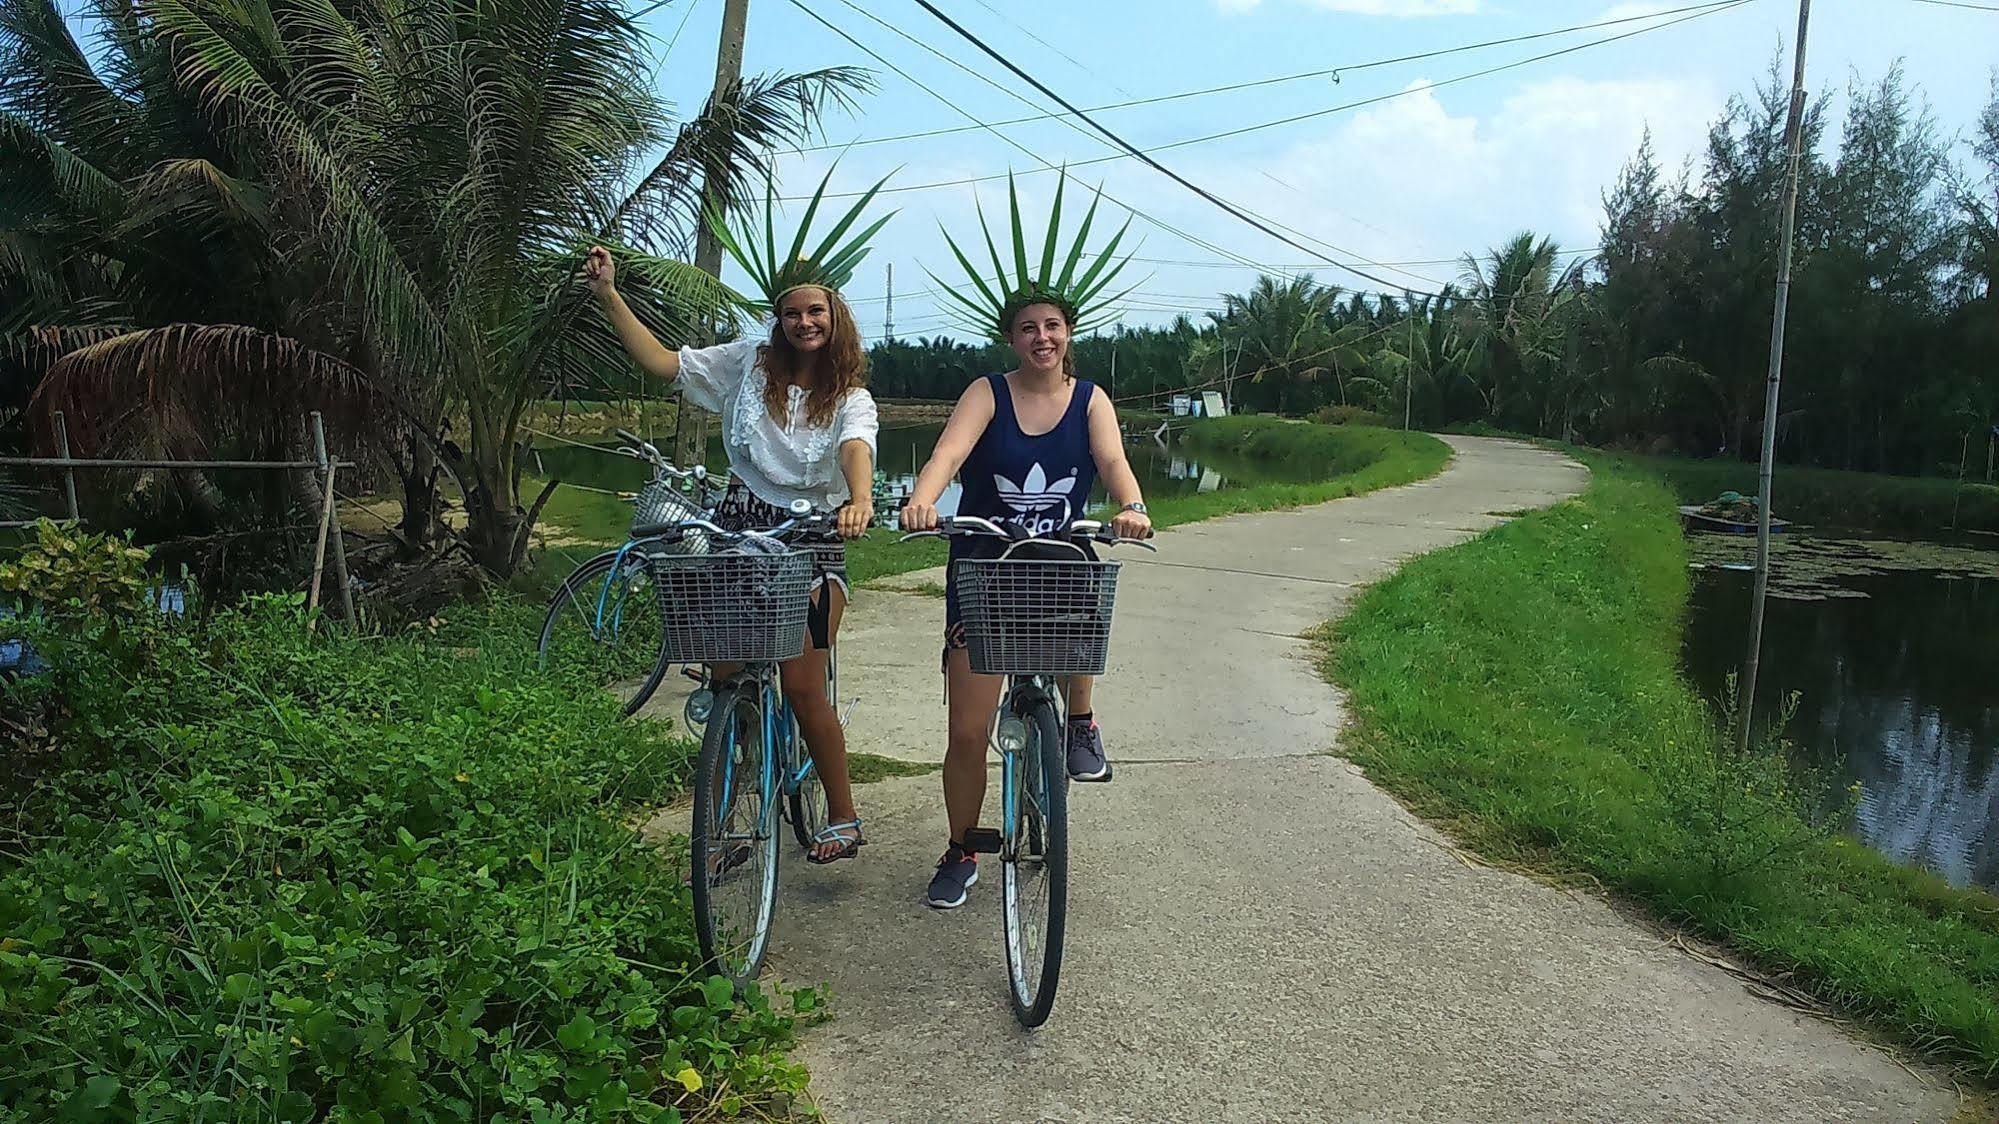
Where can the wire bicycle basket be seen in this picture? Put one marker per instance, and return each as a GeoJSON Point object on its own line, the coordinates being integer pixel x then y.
{"type": "Point", "coordinates": [1028, 616]}
{"type": "Point", "coordinates": [734, 606]}
{"type": "Point", "coordinates": [662, 501]}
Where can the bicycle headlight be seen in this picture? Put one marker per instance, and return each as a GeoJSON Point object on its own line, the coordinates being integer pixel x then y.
{"type": "Point", "coordinates": [699, 706]}
{"type": "Point", "coordinates": [1012, 735]}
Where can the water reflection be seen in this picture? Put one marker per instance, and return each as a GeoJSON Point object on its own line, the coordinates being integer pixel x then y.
{"type": "Point", "coordinates": [1897, 691]}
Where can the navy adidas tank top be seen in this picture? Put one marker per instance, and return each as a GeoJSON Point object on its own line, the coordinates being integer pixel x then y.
{"type": "Point", "coordinates": [1039, 482]}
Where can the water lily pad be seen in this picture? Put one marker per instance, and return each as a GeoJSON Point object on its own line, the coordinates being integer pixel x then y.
{"type": "Point", "coordinates": [1814, 567]}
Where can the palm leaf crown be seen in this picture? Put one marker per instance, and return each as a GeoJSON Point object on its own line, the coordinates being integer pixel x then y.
{"type": "Point", "coordinates": [1078, 288]}
{"type": "Point", "coordinates": [829, 265]}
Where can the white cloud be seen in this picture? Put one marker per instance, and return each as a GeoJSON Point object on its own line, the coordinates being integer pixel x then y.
{"type": "Point", "coordinates": [1431, 183]}
{"type": "Point", "coordinates": [1399, 9]}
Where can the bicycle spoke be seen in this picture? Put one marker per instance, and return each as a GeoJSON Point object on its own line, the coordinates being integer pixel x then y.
{"type": "Point", "coordinates": [604, 628]}
{"type": "Point", "coordinates": [734, 840]}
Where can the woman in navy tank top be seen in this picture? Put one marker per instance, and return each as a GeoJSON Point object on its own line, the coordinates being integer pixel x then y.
{"type": "Point", "coordinates": [1027, 447]}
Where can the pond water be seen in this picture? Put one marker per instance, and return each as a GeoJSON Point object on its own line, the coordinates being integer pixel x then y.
{"type": "Point", "coordinates": [1895, 664]}
{"type": "Point", "coordinates": [1163, 469]}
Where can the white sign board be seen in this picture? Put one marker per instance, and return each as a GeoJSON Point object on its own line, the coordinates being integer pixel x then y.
{"type": "Point", "coordinates": [1212, 405]}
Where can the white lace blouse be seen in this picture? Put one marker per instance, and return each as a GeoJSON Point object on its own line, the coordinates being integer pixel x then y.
{"type": "Point", "coordinates": [779, 462]}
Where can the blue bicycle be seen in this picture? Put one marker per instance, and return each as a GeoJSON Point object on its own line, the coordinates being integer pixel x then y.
{"type": "Point", "coordinates": [1037, 614]}
{"type": "Point", "coordinates": [739, 611]}
{"type": "Point", "coordinates": [604, 623]}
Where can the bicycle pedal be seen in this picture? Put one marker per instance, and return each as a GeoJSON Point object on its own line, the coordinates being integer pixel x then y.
{"type": "Point", "coordinates": [983, 841]}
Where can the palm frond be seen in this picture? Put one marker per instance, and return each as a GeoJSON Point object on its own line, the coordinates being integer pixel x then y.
{"type": "Point", "coordinates": [194, 390]}
{"type": "Point", "coordinates": [725, 152]}
{"type": "Point", "coordinates": [1081, 296]}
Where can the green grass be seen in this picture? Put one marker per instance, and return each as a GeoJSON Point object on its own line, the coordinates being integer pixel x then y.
{"type": "Point", "coordinates": [1524, 690]}
{"type": "Point", "coordinates": [1894, 504]}
{"type": "Point", "coordinates": [1353, 460]}
{"type": "Point", "coordinates": [267, 874]}
{"type": "Point", "coordinates": [867, 768]}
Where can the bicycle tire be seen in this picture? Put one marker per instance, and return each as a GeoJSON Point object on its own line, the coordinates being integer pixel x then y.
{"type": "Point", "coordinates": [576, 590]}
{"type": "Point", "coordinates": [1034, 953]}
{"type": "Point", "coordinates": [734, 738]}
{"type": "Point", "coordinates": [806, 805]}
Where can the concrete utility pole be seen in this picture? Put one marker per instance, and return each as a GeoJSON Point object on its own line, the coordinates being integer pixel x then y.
{"type": "Point", "coordinates": [1794, 130]}
{"type": "Point", "coordinates": [690, 430]}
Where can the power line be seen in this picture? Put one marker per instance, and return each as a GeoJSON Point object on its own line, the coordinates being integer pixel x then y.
{"type": "Point", "coordinates": [1315, 265]}
{"type": "Point", "coordinates": [1008, 91]}
{"type": "Point", "coordinates": [1176, 177]}
{"type": "Point", "coordinates": [994, 177]}
{"type": "Point", "coordinates": [1118, 141]}
{"type": "Point", "coordinates": [907, 77]}
{"type": "Point", "coordinates": [1260, 82]}
{"type": "Point", "coordinates": [1024, 30]}
{"type": "Point", "coordinates": [675, 41]}
{"type": "Point", "coordinates": [1961, 4]}
{"type": "Point", "coordinates": [1244, 213]}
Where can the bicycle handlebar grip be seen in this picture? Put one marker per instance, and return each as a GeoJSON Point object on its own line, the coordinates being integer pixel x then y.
{"type": "Point", "coordinates": [628, 436]}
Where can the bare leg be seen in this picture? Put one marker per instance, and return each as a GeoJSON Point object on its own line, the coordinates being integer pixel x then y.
{"type": "Point", "coordinates": [1081, 687]}
{"type": "Point", "coordinates": [804, 682]}
{"type": "Point", "coordinates": [973, 698]}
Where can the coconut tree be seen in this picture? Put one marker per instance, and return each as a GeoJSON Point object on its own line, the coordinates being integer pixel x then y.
{"type": "Point", "coordinates": [1282, 333]}
{"type": "Point", "coordinates": [1512, 301]}
{"type": "Point", "coordinates": [428, 178]}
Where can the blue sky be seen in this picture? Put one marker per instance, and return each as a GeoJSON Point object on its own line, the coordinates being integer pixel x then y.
{"type": "Point", "coordinates": [1425, 175]}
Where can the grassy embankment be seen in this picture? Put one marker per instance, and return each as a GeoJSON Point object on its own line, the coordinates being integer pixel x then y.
{"type": "Point", "coordinates": [1523, 689]}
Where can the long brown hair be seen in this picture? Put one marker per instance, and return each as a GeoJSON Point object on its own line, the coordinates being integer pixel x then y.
{"type": "Point", "coordinates": [785, 366]}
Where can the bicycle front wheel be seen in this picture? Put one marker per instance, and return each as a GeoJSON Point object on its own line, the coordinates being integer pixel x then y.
{"type": "Point", "coordinates": [1034, 866]}
{"type": "Point", "coordinates": [733, 847]}
{"type": "Point", "coordinates": [604, 627]}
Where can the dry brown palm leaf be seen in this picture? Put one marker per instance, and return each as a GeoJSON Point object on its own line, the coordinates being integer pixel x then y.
{"type": "Point", "coordinates": [198, 391]}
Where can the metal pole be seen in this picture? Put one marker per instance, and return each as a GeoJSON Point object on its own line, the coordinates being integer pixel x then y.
{"type": "Point", "coordinates": [888, 316]}
{"type": "Point", "coordinates": [690, 429]}
{"type": "Point", "coordinates": [68, 474]}
{"type": "Point", "coordinates": [327, 465]}
{"type": "Point", "coordinates": [1794, 128]}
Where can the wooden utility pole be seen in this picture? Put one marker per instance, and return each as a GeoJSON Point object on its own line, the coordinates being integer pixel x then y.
{"type": "Point", "coordinates": [690, 429]}
{"type": "Point", "coordinates": [1794, 130]}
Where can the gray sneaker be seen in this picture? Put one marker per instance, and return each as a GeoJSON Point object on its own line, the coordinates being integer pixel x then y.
{"type": "Point", "coordinates": [957, 872]}
{"type": "Point", "coordinates": [1086, 752]}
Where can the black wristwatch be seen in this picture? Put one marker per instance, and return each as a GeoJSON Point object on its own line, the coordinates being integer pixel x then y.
{"type": "Point", "coordinates": [1138, 507]}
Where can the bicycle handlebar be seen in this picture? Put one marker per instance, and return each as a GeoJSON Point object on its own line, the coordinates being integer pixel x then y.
{"type": "Point", "coordinates": [1089, 530]}
{"type": "Point", "coordinates": [636, 446]}
{"type": "Point", "coordinates": [805, 520]}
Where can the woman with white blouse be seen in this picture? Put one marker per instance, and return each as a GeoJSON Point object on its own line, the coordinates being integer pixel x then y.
{"type": "Point", "coordinates": [797, 423]}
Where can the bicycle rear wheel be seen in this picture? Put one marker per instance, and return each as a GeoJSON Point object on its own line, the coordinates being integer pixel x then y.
{"type": "Point", "coordinates": [733, 847]}
{"type": "Point", "coordinates": [603, 626]}
{"type": "Point", "coordinates": [1035, 881]}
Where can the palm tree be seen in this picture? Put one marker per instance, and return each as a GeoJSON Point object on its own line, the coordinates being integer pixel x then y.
{"type": "Point", "coordinates": [407, 189]}
{"type": "Point", "coordinates": [1425, 348]}
{"type": "Point", "coordinates": [1282, 332]}
{"type": "Point", "coordinates": [1511, 301]}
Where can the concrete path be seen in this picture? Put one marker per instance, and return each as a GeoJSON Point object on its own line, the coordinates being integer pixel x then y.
{"type": "Point", "coordinates": [1257, 933]}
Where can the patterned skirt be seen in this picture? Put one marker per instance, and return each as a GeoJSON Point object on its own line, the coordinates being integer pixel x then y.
{"type": "Point", "coordinates": [742, 510]}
